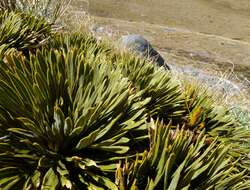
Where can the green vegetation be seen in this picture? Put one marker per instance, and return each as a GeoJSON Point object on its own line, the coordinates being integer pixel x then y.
{"type": "Point", "coordinates": [23, 32]}
{"type": "Point", "coordinates": [77, 114]}
{"type": "Point", "coordinates": [49, 9]}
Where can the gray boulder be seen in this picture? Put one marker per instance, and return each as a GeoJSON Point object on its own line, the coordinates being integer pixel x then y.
{"type": "Point", "coordinates": [142, 47]}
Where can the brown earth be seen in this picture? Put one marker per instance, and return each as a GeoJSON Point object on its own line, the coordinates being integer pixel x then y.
{"type": "Point", "coordinates": [229, 18]}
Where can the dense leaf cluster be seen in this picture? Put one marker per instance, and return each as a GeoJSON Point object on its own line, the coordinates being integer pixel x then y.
{"type": "Point", "coordinates": [22, 32]}
{"type": "Point", "coordinates": [51, 10]}
{"type": "Point", "coordinates": [77, 114]}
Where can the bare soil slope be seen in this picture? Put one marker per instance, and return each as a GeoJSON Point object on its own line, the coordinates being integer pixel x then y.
{"type": "Point", "coordinates": [229, 18]}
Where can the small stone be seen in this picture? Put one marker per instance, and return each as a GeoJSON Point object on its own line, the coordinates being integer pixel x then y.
{"type": "Point", "coordinates": [169, 30]}
{"type": "Point", "coordinates": [98, 29]}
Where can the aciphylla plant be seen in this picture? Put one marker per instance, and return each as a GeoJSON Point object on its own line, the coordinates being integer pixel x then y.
{"type": "Point", "coordinates": [166, 101]}
{"type": "Point", "coordinates": [51, 10]}
{"type": "Point", "coordinates": [74, 115]}
{"type": "Point", "coordinates": [202, 113]}
{"type": "Point", "coordinates": [190, 107]}
{"type": "Point", "coordinates": [64, 122]}
{"type": "Point", "coordinates": [179, 159]}
{"type": "Point", "coordinates": [145, 78]}
{"type": "Point", "coordinates": [216, 120]}
{"type": "Point", "coordinates": [22, 32]}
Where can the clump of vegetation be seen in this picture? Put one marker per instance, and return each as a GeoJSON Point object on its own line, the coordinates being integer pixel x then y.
{"type": "Point", "coordinates": [48, 9]}
{"type": "Point", "coordinates": [22, 31]}
{"type": "Point", "coordinates": [77, 114]}
{"type": "Point", "coordinates": [180, 160]}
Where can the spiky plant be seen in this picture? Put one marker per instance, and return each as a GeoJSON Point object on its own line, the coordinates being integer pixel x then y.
{"type": "Point", "coordinates": [65, 123]}
{"type": "Point", "coordinates": [22, 31]}
{"type": "Point", "coordinates": [191, 106]}
{"type": "Point", "coordinates": [49, 9]}
{"type": "Point", "coordinates": [180, 159]}
{"type": "Point", "coordinates": [73, 108]}
{"type": "Point", "coordinates": [8, 5]}
{"type": "Point", "coordinates": [202, 112]}
{"type": "Point", "coordinates": [166, 100]}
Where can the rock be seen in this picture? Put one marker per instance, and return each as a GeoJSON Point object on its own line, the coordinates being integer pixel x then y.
{"type": "Point", "coordinates": [169, 30]}
{"type": "Point", "coordinates": [142, 47]}
{"type": "Point", "coordinates": [100, 31]}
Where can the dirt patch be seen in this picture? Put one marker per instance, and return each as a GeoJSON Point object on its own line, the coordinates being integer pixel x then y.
{"type": "Point", "coordinates": [227, 18]}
